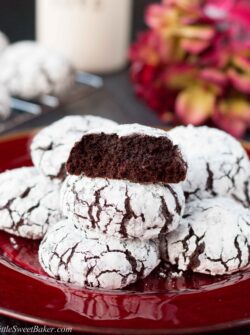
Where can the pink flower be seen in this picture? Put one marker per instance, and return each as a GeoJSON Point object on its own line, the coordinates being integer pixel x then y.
{"type": "Point", "coordinates": [214, 76]}
{"type": "Point", "coordinates": [233, 115]}
{"type": "Point", "coordinates": [195, 105]}
{"type": "Point", "coordinates": [194, 62]}
{"type": "Point", "coordinates": [154, 17]}
{"type": "Point", "coordinates": [194, 46]}
{"type": "Point", "coordinates": [240, 81]}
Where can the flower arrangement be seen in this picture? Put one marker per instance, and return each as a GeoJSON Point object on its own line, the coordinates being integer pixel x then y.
{"type": "Point", "coordinates": [193, 63]}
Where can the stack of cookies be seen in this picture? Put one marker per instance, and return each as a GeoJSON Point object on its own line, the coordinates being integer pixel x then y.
{"type": "Point", "coordinates": [123, 192]}
{"type": "Point", "coordinates": [118, 199]}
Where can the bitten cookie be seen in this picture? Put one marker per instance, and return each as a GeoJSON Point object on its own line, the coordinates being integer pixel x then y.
{"type": "Point", "coordinates": [29, 203]}
{"type": "Point", "coordinates": [212, 238]}
{"type": "Point", "coordinates": [5, 109]}
{"type": "Point", "coordinates": [50, 148]}
{"type": "Point", "coordinates": [217, 163]}
{"type": "Point", "coordinates": [120, 208]}
{"type": "Point", "coordinates": [29, 70]}
{"type": "Point", "coordinates": [132, 152]}
{"type": "Point", "coordinates": [95, 261]}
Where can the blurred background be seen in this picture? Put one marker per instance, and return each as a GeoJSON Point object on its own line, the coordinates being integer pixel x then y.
{"type": "Point", "coordinates": [17, 18]}
{"type": "Point", "coordinates": [164, 62]}
{"type": "Point", "coordinates": [116, 100]}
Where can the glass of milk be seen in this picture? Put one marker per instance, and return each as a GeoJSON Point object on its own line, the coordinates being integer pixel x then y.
{"type": "Point", "coordinates": [93, 34]}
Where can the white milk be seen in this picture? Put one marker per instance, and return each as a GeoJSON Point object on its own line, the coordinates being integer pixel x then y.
{"type": "Point", "coordinates": [93, 34]}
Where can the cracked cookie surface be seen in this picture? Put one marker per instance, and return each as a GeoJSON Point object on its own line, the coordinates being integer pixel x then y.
{"type": "Point", "coordinates": [29, 203]}
{"type": "Point", "coordinates": [133, 152]}
{"type": "Point", "coordinates": [30, 70]}
{"type": "Point", "coordinates": [212, 238]}
{"type": "Point", "coordinates": [217, 163]}
{"type": "Point", "coordinates": [71, 256]}
{"type": "Point", "coordinates": [50, 148]}
{"type": "Point", "coordinates": [121, 208]}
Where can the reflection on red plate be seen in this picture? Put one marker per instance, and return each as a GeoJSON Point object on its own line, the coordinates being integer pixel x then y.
{"type": "Point", "coordinates": [190, 303]}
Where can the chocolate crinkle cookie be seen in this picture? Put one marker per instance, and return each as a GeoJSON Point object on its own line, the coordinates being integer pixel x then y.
{"type": "Point", "coordinates": [213, 238]}
{"type": "Point", "coordinates": [94, 261]}
{"type": "Point", "coordinates": [121, 208]}
{"type": "Point", "coordinates": [51, 147]}
{"type": "Point", "coordinates": [30, 70]}
{"type": "Point", "coordinates": [29, 203]}
{"type": "Point", "coordinates": [133, 152]}
{"type": "Point", "coordinates": [217, 164]}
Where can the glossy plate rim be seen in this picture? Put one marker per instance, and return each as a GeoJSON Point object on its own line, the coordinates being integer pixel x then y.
{"type": "Point", "coordinates": [109, 330]}
{"type": "Point", "coordinates": [8, 312]}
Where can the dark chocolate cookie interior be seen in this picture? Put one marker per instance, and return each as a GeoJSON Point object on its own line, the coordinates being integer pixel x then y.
{"type": "Point", "coordinates": [138, 158]}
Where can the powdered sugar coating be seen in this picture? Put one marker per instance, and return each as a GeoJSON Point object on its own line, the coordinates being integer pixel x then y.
{"type": "Point", "coordinates": [121, 208]}
{"type": "Point", "coordinates": [131, 129]}
{"type": "Point", "coordinates": [95, 261]}
{"type": "Point", "coordinates": [3, 41]}
{"type": "Point", "coordinates": [29, 203]}
{"type": "Point", "coordinates": [5, 109]}
{"type": "Point", "coordinates": [51, 147]}
{"type": "Point", "coordinates": [30, 70]}
{"type": "Point", "coordinates": [217, 163]}
{"type": "Point", "coordinates": [212, 238]}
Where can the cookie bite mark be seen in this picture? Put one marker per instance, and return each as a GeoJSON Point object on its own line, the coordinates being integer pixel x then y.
{"type": "Point", "coordinates": [50, 148]}
{"type": "Point", "coordinates": [138, 158]}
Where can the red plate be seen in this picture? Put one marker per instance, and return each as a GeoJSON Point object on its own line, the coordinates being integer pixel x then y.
{"type": "Point", "coordinates": [188, 304]}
